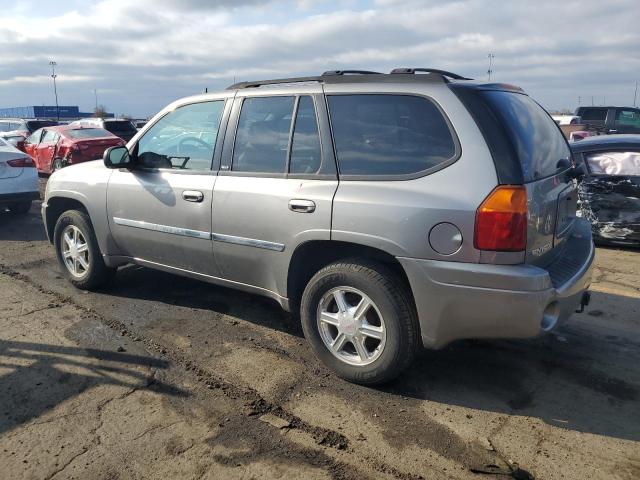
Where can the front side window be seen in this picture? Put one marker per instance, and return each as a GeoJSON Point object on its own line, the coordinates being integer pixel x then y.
{"type": "Point", "coordinates": [183, 139]}
{"type": "Point", "coordinates": [305, 146]}
{"type": "Point", "coordinates": [262, 137]}
{"type": "Point", "coordinates": [614, 163]}
{"type": "Point", "coordinates": [34, 138]}
{"type": "Point", "coordinates": [388, 134]}
{"type": "Point", "coordinates": [49, 136]}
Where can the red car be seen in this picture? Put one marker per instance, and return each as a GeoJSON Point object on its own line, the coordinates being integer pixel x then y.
{"type": "Point", "coordinates": [55, 147]}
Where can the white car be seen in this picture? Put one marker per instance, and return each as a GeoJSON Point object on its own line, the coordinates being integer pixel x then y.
{"type": "Point", "coordinates": [567, 119]}
{"type": "Point", "coordinates": [18, 179]}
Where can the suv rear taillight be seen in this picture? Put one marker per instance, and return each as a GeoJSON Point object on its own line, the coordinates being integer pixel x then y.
{"type": "Point", "coordinates": [21, 163]}
{"type": "Point", "coordinates": [501, 220]}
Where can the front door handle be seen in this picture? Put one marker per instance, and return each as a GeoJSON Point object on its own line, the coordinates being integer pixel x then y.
{"type": "Point", "coordinates": [302, 206]}
{"type": "Point", "coordinates": [193, 196]}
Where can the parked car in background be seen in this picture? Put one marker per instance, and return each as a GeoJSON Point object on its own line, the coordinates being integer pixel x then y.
{"type": "Point", "coordinates": [120, 127]}
{"type": "Point", "coordinates": [389, 210]}
{"type": "Point", "coordinates": [611, 120]}
{"type": "Point", "coordinates": [24, 127]}
{"type": "Point", "coordinates": [609, 195]}
{"type": "Point", "coordinates": [18, 179]}
{"type": "Point", "coordinates": [566, 119]}
{"type": "Point", "coordinates": [55, 147]}
{"type": "Point", "coordinates": [15, 139]}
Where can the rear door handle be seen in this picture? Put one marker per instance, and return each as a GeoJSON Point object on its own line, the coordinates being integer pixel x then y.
{"type": "Point", "coordinates": [193, 196]}
{"type": "Point", "coordinates": [302, 206]}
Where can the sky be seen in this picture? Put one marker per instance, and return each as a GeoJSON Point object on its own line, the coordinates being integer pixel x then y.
{"type": "Point", "coordinates": [140, 55]}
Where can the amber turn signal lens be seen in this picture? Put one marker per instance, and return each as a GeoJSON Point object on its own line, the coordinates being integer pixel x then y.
{"type": "Point", "coordinates": [501, 220]}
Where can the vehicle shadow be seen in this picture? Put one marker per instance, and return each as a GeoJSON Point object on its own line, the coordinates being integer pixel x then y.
{"type": "Point", "coordinates": [41, 376]}
{"type": "Point", "coordinates": [22, 228]}
{"type": "Point", "coordinates": [584, 377]}
{"type": "Point", "coordinates": [134, 281]}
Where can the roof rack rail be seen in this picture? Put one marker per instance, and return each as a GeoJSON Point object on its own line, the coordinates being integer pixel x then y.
{"type": "Point", "coordinates": [349, 72]}
{"type": "Point", "coordinates": [444, 73]}
{"type": "Point", "coordinates": [259, 83]}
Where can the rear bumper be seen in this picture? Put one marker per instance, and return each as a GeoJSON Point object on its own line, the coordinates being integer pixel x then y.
{"type": "Point", "coordinates": [462, 300]}
{"type": "Point", "coordinates": [8, 198]}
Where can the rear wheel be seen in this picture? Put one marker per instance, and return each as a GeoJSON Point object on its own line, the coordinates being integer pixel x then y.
{"type": "Point", "coordinates": [360, 320]}
{"type": "Point", "coordinates": [20, 208]}
{"type": "Point", "coordinates": [78, 251]}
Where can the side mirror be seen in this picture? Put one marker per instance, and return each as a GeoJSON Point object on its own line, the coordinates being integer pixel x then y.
{"type": "Point", "coordinates": [117, 157]}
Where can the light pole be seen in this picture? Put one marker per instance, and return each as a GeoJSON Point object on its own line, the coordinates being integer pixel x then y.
{"type": "Point", "coordinates": [55, 88]}
{"type": "Point", "coordinates": [491, 56]}
{"type": "Point", "coordinates": [635, 95]}
{"type": "Point", "coordinates": [95, 93]}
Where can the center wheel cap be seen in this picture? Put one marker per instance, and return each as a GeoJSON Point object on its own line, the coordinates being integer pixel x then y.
{"type": "Point", "coordinates": [351, 326]}
{"type": "Point", "coordinates": [348, 326]}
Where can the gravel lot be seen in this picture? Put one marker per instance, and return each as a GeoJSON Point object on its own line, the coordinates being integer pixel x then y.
{"type": "Point", "coordinates": [164, 377]}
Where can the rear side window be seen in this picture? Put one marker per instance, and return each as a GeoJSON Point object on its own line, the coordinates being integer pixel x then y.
{"type": "Point", "coordinates": [537, 140]}
{"type": "Point", "coordinates": [305, 146]}
{"type": "Point", "coordinates": [262, 137]}
{"type": "Point", "coordinates": [382, 135]}
{"type": "Point", "coordinates": [49, 136]}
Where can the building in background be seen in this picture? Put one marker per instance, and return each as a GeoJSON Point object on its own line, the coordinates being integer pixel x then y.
{"type": "Point", "coordinates": [66, 112]}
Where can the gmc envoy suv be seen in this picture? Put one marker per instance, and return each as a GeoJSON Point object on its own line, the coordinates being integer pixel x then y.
{"type": "Point", "coordinates": [389, 211]}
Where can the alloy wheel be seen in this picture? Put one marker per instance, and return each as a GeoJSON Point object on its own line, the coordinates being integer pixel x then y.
{"type": "Point", "coordinates": [75, 251]}
{"type": "Point", "coordinates": [351, 326]}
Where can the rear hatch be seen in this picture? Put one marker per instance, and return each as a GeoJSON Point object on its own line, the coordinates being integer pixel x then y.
{"type": "Point", "coordinates": [529, 149]}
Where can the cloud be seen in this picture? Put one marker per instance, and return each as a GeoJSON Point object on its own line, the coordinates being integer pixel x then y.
{"type": "Point", "coordinates": [142, 55]}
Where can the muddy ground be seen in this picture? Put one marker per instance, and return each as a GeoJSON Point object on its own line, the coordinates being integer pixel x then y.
{"type": "Point", "coordinates": [164, 377]}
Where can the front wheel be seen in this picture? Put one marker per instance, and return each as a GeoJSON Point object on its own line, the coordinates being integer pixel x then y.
{"type": "Point", "coordinates": [78, 251]}
{"type": "Point", "coordinates": [360, 320]}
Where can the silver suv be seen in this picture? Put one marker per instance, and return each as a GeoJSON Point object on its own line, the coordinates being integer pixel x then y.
{"type": "Point", "coordinates": [389, 210]}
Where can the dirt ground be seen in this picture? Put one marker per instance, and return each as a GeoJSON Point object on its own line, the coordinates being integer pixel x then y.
{"type": "Point", "coordinates": [163, 377]}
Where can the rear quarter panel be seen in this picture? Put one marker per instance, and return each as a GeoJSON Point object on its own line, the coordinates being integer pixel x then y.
{"type": "Point", "coordinates": [397, 216]}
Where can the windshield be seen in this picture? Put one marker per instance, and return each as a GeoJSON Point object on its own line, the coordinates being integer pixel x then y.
{"type": "Point", "coordinates": [34, 125]}
{"type": "Point", "coordinates": [537, 140]}
{"type": "Point", "coordinates": [88, 133]}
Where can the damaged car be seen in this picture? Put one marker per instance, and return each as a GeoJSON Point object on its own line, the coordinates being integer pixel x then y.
{"type": "Point", "coordinates": [609, 195]}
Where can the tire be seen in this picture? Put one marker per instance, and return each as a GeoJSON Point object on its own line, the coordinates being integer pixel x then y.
{"type": "Point", "coordinates": [91, 273]}
{"type": "Point", "coordinates": [397, 326]}
{"type": "Point", "coordinates": [20, 208]}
